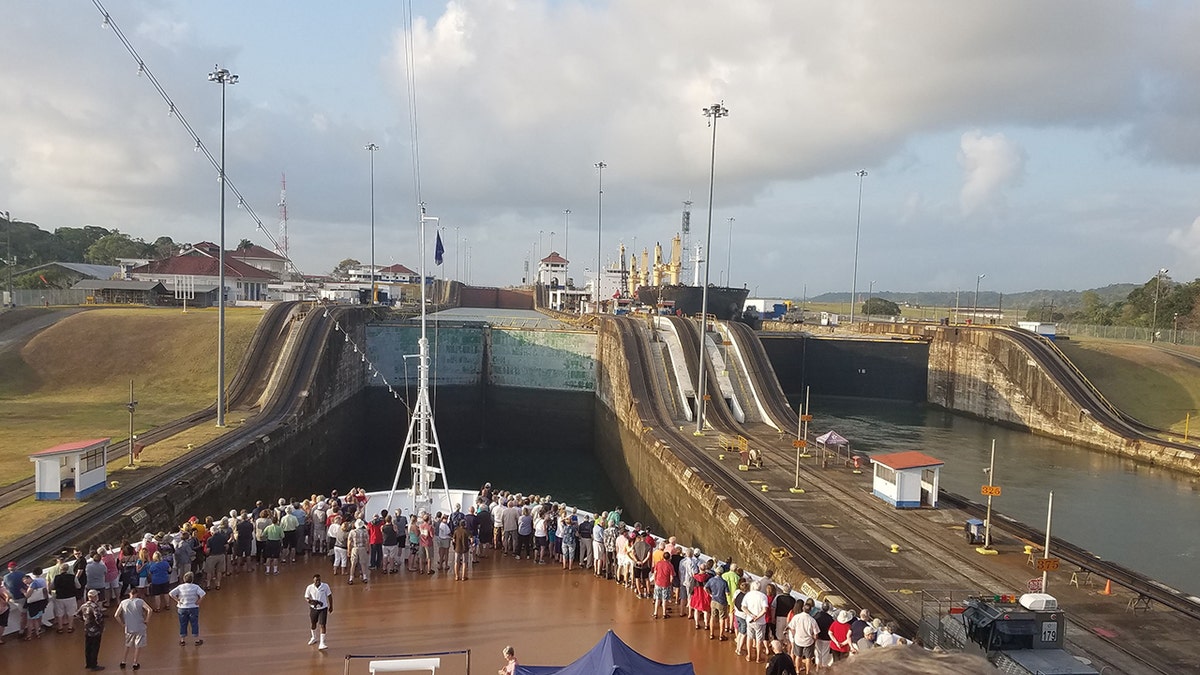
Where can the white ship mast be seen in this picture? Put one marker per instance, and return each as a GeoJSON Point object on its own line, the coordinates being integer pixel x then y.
{"type": "Point", "coordinates": [422, 439]}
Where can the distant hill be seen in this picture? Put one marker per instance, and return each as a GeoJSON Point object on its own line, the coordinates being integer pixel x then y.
{"type": "Point", "coordinates": [1060, 300]}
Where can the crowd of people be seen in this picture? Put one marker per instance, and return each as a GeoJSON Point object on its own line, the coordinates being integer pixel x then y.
{"type": "Point", "coordinates": [135, 579]}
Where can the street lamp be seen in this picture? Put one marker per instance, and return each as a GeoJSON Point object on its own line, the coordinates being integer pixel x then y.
{"type": "Point", "coordinates": [551, 241]}
{"type": "Point", "coordinates": [10, 261]}
{"type": "Point", "coordinates": [131, 406]}
{"type": "Point", "coordinates": [867, 304]}
{"type": "Point", "coordinates": [729, 255]}
{"type": "Point", "coordinates": [714, 113]}
{"type": "Point", "coordinates": [861, 173]}
{"type": "Point", "coordinates": [371, 148]}
{"type": "Point", "coordinates": [599, 227]}
{"type": "Point", "coordinates": [975, 309]}
{"type": "Point", "coordinates": [1154, 321]}
{"type": "Point", "coordinates": [1175, 330]}
{"type": "Point", "coordinates": [222, 77]}
{"type": "Point", "coordinates": [567, 234]}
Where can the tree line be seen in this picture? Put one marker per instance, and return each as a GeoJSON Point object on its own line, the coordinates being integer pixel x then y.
{"type": "Point", "coordinates": [30, 246]}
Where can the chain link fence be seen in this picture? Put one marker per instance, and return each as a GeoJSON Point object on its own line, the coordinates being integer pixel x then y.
{"type": "Point", "coordinates": [1131, 333]}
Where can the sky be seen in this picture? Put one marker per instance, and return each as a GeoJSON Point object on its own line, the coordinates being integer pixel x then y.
{"type": "Point", "coordinates": [1042, 145]}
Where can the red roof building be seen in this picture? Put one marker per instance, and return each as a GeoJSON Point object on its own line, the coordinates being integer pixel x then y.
{"type": "Point", "coordinates": [243, 281]}
{"type": "Point", "coordinates": [906, 480]}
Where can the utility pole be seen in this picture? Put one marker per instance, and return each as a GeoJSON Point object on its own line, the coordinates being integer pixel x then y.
{"type": "Point", "coordinates": [222, 77]}
{"type": "Point", "coordinates": [714, 112]}
{"type": "Point", "coordinates": [11, 260]}
{"type": "Point", "coordinates": [131, 406]}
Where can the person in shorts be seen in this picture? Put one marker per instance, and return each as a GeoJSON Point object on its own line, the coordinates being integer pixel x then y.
{"type": "Point", "coordinates": [664, 576]}
{"type": "Point", "coordinates": [320, 605]}
{"type": "Point", "coordinates": [132, 614]}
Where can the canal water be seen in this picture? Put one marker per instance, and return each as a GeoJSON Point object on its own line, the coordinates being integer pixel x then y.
{"type": "Point", "coordinates": [1146, 518]}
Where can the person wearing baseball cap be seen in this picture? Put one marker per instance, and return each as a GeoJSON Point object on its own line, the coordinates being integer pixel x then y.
{"type": "Point", "coordinates": [93, 617]}
{"type": "Point", "coordinates": [14, 587]}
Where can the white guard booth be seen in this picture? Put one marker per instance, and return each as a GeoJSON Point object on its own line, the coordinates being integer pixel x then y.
{"type": "Point", "coordinates": [906, 480]}
{"type": "Point", "coordinates": [82, 465]}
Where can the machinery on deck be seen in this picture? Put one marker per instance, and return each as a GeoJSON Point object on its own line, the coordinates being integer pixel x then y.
{"type": "Point", "coordinates": [1019, 635]}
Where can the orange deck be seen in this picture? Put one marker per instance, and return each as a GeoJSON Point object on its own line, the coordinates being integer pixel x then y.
{"type": "Point", "coordinates": [260, 624]}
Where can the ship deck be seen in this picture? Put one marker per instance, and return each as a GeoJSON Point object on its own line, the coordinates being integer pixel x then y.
{"type": "Point", "coordinates": [258, 622]}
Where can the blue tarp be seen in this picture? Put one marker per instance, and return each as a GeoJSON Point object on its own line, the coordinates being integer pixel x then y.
{"type": "Point", "coordinates": [610, 656]}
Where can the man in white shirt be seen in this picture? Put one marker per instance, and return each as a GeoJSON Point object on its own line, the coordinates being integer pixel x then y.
{"type": "Point", "coordinates": [754, 606]}
{"type": "Point", "coordinates": [803, 630]}
{"type": "Point", "coordinates": [320, 606]}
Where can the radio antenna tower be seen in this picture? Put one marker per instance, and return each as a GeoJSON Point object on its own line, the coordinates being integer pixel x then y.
{"type": "Point", "coordinates": [685, 226]}
{"type": "Point", "coordinates": [281, 245]}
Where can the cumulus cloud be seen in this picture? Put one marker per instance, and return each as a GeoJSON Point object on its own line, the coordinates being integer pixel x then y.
{"type": "Point", "coordinates": [517, 100]}
{"type": "Point", "coordinates": [1187, 239]}
{"type": "Point", "coordinates": [990, 164]}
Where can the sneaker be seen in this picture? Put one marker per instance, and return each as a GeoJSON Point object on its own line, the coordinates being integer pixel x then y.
{"type": "Point", "coordinates": [312, 641]}
{"type": "Point", "coordinates": [322, 646]}
{"type": "Point", "coordinates": [199, 642]}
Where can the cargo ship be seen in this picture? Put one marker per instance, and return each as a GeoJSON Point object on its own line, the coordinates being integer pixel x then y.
{"type": "Point", "coordinates": [657, 283]}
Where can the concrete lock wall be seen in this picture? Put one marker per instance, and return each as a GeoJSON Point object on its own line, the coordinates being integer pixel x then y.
{"type": "Point", "coordinates": [986, 373]}
{"type": "Point", "coordinates": [470, 355]}
{"type": "Point", "coordinates": [651, 478]}
{"type": "Point", "coordinates": [542, 359]}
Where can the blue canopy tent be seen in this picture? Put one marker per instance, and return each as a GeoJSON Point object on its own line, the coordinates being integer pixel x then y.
{"type": "Point", "coordinates": [610, 656]}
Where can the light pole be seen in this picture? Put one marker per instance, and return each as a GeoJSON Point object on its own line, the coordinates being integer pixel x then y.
{"type": "Point", "coordinates": [131, 406]}
{"type": "Point", "coordinates": [1175, 330]}
{"type": "Point", "coordinates": [457, 254]}
{"type": "Point", "coordinates": [867, 304]}
{"type": "Point", "coordinates": [991, 491]}
{"type": "Point", "coordinates": [539, 246]}
{"type": "Point", "coordinates": [599, 226]}
{"type": "Point", "coordinates": [714, 113]}
{"type": "Point", "coordinates": [567, 234]}
{"type": "Point", "coordinates": [551, 241]}
{"type": "Point", "coordinates": [371, 148]}
{"type": "Point", "coordinates": [975, 308]}
{"type": "Point", "coordinates": [861, 173]}
{"type": "Point", "coordinates": [10, 261]}
{"type": "Point", "coordinates": [729, 256]}
{"type": "Point", "coordinates": [1154, 321]}
{"type": "Point", "coordinates": [222, 77]}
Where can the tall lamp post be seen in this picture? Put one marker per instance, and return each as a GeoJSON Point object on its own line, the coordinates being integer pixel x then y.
{"type": "Point", "coordinates": [222, 77]}
{"type": "Point", "coordinates": [867, 304]}
{"type": "Point", "coordinates": [599, 226]}
{"type": "Point", "coordinates": [729, 256]}
{"type": "Point", "coordinates": [371, 148]}
{"type": "Point", "coordinates": [567, 234]}
{"type": "Point", "coordinates": [131, 406]}
{"type": "Point", "coordinates": [714, 113]}
{"type": "Point", "coordinates": [975, 308]}
{"type": "Point", "coordinates": [10, 261]}
{"type": "Point", "coordinates": [861, 173]}
{"type": "Point", "coordinates": [1154, 321]}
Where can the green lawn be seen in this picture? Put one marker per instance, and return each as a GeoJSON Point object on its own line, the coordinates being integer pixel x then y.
{"type": "Point", "coordinates": [1153, 386]}
{"type": "Point", "coordinates": [71, 381]}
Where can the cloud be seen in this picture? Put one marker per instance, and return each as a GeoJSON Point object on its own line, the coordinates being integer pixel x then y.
{"type": "Point", "coordinates": [1187, 239]}
{"type": "Point", "coordinates": [990, 165]}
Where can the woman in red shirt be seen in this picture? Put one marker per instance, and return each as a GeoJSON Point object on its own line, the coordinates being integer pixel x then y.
{"type": "Point", "coordinates": [839, 635]}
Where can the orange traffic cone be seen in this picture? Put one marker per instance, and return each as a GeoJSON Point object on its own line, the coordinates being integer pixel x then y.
{"type": "Point", "coordinates": [1107, 587]}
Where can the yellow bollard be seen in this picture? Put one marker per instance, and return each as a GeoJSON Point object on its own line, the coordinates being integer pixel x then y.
{"type": "Point", "coordinates": [721, 456]}
{"type": "Point", "coordinates": [796, 491]}
{"type": "Point", "coordinates": [895, 548]}
{"type": "Point", "coordinates": [764, 488]}
{"type": "Point", "coordinates": [1028, 550]}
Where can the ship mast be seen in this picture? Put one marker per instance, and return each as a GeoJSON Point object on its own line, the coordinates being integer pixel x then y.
{"type": "Point", "coordinates": [422, 439]}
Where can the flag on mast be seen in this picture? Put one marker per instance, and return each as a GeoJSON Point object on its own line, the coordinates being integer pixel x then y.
{"type": "Point", "coordinates": [438, 249]}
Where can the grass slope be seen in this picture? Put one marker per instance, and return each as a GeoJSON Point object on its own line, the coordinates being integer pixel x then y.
{"type": "Point", "coordinates": [71, 381]}
{"type": "Point", "coordinates": [1151, 385]}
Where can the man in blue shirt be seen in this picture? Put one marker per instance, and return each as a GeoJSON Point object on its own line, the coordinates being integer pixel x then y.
{"type": "Point", "coordinates": [718, 588]}
{"type": "Point", "coordinates": [15, 585]}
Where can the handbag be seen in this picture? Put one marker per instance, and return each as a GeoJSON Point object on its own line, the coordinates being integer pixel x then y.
{"type": "Point", "coordinates": [36, 595]}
